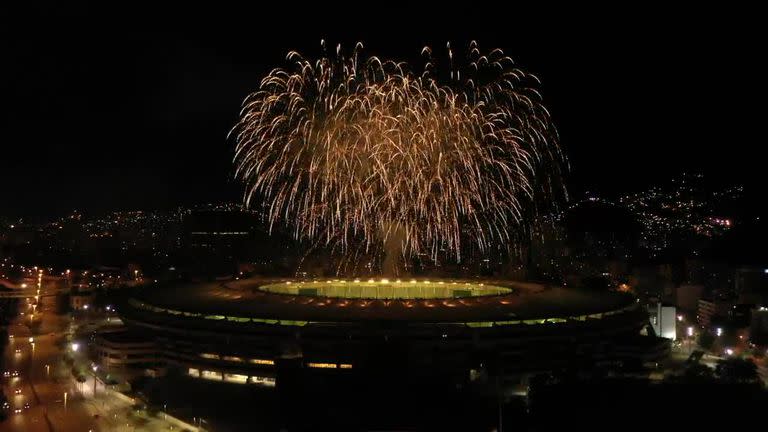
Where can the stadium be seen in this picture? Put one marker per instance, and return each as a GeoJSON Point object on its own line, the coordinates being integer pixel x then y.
{"type": "Point", "coordinates": [257, 331]}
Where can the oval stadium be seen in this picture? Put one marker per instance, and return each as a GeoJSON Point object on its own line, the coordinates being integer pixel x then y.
{"type": "Point", "coordinates": [262, 331]}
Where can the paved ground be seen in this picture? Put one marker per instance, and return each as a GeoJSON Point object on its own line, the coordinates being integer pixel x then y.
{"type": "Point", "coordinates": [44, 378]}
{"type": "Point", "coordinates": [41, 379]}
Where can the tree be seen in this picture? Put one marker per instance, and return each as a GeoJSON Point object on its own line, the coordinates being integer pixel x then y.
{"type": "Point", "coordinates": [4, 406]}
{"type": "Point", "coordinates": [706, 340]}
{"type": "Point", "coordinates": [698, 373]}
{"type": "Point", "coordinates": [737, 371]}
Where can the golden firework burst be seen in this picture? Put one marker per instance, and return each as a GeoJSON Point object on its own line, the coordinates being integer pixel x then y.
{"type": "Point", "coordinates": [346, 148]}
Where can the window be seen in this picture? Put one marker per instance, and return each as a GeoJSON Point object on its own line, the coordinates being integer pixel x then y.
{"type": "Point", "coordinates": [322, 365]}
{"type": "Point", "coordinates": [265, 381]}
{"type": "Point", "coordinates": [214, 375]}
{"type": "Point", "coordinates": [236, 378]}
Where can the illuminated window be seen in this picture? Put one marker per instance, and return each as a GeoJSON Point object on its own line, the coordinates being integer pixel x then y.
{"type": "Point", "coordinates": [209, 356]}
{"type": "Point", "coordinates": [194, 372]}
{"type": "Point", "coordinates": [232, 358]}
{"type": "Point", "coordinates": [262, 362]}
{"type": "Point", "coordinates": [322, 365]}
{"type": "Point", "coordinates": [293, 323]}
{"type": "Point", "coordinates": [345, 366]}
{"type": "Point", "coordinates": [265, 381]}
{"type": "Point", "coordinates": [236, 378]}
{"type": "Point", "coordinates": [212, 375]}
{"type": "Point", "coordinates": [480, 324]}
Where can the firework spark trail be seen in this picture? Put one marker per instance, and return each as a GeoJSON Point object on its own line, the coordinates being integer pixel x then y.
{"type": "Point", "coordinates": [343, 149]}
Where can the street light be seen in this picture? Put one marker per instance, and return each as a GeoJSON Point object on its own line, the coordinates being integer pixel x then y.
{"type": "Point", "coordinates": [719, 331]}
{"type": "Point", "coordinates": [75, 346]}
{"type": "Point", "coordinates": [94, 368]}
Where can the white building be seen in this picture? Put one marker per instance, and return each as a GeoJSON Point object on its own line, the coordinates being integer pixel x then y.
{"type": "Point", "coordinates": [664, 320]}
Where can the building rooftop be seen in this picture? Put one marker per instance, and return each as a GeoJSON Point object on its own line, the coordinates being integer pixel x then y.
{"type": "Point", "coordinates": [244, 301]}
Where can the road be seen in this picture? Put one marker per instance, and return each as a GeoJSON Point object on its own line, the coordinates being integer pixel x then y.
{"type": "Point", "coordinates": [44, 378]}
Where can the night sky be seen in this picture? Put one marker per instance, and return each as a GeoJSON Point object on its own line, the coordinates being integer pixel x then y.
{"type": "Point", "coordinates": [118, 109]}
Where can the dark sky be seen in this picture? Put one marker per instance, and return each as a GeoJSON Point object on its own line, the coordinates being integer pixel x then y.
{"type": "Point", "coordinates": [122, 109]}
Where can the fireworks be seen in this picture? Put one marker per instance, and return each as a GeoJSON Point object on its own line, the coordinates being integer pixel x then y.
{"type": "Point", "coordinates": [348, 149]}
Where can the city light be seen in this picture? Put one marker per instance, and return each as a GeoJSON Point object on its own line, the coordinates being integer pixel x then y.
{"type": "Point", "coordinates": [398, 228]}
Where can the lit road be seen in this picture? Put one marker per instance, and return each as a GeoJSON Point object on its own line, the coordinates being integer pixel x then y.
{"type": "Point", "coordinates": [49, 286]}
{"type": "Point", "coordinates": [41, 387]}
{"type": "Point", "coordinates": [31, 292]}
{"type": "Point", "coordinates": [43, 378]}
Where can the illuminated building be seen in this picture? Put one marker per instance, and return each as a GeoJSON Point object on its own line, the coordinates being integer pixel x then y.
{"type": "Point", "coordinates": [124, 349]}
{"type": "Point", "coordinates": [267, 329]}
{"type": "Point", "coordinates": [709, 309]}
{"type": "Point", "coordinates": [663, 319]}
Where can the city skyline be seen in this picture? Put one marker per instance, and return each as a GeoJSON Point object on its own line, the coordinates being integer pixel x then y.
{"type": "Point", "coordinates": [380, 217]}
